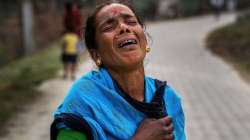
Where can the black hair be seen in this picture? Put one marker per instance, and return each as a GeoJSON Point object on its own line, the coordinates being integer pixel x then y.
{"type": "Point", "coordinates": [90, 28]}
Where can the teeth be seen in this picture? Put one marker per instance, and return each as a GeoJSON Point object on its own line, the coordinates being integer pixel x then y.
{"type": "Point", "coordinates": [126, 42]}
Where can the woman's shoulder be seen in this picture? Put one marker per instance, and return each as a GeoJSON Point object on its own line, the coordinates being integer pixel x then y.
{"type": "Point", "coordinates": [89, 75]}
{"type": "Point", "coordinates": [88, 79]}
{"type": "Point", "coordinates": [96, 75]}
{"type": "Point", "coordinates": [171, 95]}
{"type": "Point", "coordinates": [82, 95]}
{"type": "Point", "coordinates": [90, 85]}
{"type": "Point", "coordinates": [173, 101]}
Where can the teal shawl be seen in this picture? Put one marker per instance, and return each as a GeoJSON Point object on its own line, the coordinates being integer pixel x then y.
{"type": "Point", "coordinates": [96, 99]}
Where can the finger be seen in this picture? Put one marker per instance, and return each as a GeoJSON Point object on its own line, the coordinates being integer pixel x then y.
{"type": "Point", "coordinates": [166, 120]}
{"type": "Point", "coordinates": [146, 122]}
{"type": "Point", "coordinates": [169, 137]}
{"type": "Point", "coordinates": [170, 129]}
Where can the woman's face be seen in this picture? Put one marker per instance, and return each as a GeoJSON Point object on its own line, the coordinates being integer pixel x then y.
{"type": "Point", "coordinates": [120, 38]}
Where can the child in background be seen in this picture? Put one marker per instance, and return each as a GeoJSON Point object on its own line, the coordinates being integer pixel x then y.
{"type": "Point", "coordinates": [69, 53]}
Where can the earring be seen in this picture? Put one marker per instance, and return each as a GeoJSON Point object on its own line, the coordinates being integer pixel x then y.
{"type": "Point", "coordinates": [98, 62]}
{"type": "Point", "coordinates": [148, 49]}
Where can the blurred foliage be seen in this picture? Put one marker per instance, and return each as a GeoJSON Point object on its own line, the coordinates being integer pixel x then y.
{"type": "Point", "coordinates": [244, 15]}
{"type": "Point", "coordinates": [147, 9]}
{"type": "Point", "coordinates": [47, 26]}
{"type": "Point", "coordinates": [8, 8]}
{"type": "Point", "coordinates": [30, 70]}
{"type": "Point", "coordinates": [243, 4]}
{"type": "Point", "coordinates": [10, 39]}
{"type": "Point", "coordinates": [12, 103]}
{"type": "Point", "coordinates": [232, 42]}
{"type": "Point", "coordinates": [189, 7]}
{"type": "Point", "coordinates": [19, 79]}
{"type": "Point", "coordinates": [194, 7]}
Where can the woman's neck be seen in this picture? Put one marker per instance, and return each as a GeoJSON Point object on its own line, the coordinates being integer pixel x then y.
{"type": "Point", "coordinates": [132, 82]}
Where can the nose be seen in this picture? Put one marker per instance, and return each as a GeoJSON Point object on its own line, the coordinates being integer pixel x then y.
{"type": "Point", "coordinates": [124, 28]}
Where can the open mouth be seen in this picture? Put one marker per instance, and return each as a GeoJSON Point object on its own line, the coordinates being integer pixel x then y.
{"type": "Point", "coordinates": [127, 43]}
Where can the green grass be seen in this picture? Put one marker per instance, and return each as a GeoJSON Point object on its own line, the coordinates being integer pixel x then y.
{"type": "Point", "coordinates": [19, 79]}
{"type": "Point", "coordinates": [31, 70]}
{"type": "Point", "coordinates": [232, 43]}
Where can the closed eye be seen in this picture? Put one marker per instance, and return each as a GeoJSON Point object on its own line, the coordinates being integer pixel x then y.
{"type": "Point", "coordinates": [130, 19]}
{"type": "Point", "coordinates": [108, 25]}
{"type": "Point", "coordinates": [132, 22]}
{"type": "Point", "coordinates": [108, 28]}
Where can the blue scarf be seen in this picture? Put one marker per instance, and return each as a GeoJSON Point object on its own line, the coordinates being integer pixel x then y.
{"type": "Point", "coordinates": [98, 100]}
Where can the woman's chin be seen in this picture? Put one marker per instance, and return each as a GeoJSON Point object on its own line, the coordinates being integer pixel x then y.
{"type": "Point", "coordinates": [133, 63]}
{"type": "Point", "coordinates": [133, 56]}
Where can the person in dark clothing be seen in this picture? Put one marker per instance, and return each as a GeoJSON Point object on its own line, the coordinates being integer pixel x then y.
{"type": "Point", "coordinates": [217, 6]}
{"type": "Point", "coordinates": [72, 18]}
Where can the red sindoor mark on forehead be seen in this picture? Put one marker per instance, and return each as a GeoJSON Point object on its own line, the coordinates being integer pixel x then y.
{"type": "Point", "coordinates": [115, 11]}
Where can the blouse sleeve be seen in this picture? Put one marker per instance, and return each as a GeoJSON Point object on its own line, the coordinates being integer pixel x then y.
{"type": "Point", "coordinates": [176, 111]}
{"type": "Point", "coordinates": [70, 135]}
{"type": "Point", "coordinates": [180, 123]}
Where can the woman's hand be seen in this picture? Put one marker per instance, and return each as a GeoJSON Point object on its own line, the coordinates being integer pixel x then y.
{"type": "Point", "coordinates": [153, 129]}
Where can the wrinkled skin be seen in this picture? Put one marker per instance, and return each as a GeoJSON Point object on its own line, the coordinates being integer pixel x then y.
{"type": "Point", "coordinates": [114, 24]}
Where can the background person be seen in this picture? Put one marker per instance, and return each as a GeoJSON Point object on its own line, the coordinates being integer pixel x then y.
{"type": "Point", "coordinates": [217, 6]}
{"type": "Point", "coordinates": [72, 18]}
{"type": "Point", "coordinates": [69, 55]}
{"type": "Point", "coordinates": [231, 5]}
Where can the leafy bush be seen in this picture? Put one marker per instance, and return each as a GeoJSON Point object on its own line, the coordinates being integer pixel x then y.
{"type": "Point", "coordinates": [233, 43]}
{"type": "Point", "coordinates": [244, 15]}
{"type": "Point", "coordinates": [30, 70]}
{"type": "Point", "coordinates": [146, 8]}
{"type": "Point", "coordinates": [19, 79]}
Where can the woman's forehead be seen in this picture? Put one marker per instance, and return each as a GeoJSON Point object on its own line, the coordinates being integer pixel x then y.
{"type": "Point", "coordinates": [114, 10]}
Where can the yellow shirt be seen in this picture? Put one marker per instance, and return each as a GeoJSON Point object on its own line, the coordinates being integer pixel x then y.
{"type": "Point", "coordinates": [70, 41]}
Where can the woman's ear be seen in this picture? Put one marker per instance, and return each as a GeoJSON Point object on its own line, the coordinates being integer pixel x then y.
{"type": "Point", "coordinates": [96, 57]}
{"type": "Point", "coordinates": [147, 37]}
{"type": "Point", "coordinates": [94, 54]}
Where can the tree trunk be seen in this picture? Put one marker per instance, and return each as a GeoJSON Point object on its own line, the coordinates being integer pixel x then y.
{"type": "Point", "coordinates": [27, 27]}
